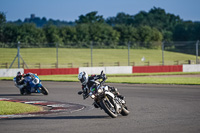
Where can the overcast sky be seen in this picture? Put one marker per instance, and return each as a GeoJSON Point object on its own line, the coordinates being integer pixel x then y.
{"type": "Point", "coordinates": [70, 10]}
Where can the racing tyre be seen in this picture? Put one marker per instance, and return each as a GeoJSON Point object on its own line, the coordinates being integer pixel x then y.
{"type": "Point", "coordinates": [24, 91]}
{"type": "Point", "coordinates": [44, 90]}
{"type": "Point", "coordinates": [125, 111]}
{"type": "Point", "coordinates": [108, 108]}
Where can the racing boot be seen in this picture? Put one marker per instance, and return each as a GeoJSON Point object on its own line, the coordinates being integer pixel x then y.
{"type": "Point", "coordinates": [96, 105]}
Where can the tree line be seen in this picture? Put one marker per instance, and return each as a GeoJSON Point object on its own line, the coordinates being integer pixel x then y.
{"type": "Point", "coordinates": [112, 32]}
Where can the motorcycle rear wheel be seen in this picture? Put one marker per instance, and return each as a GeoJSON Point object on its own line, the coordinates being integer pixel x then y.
{"type": "Point", "coordinates": [24, 91]}
{"type": "Point", "coordinates": [105, 106]}
{"type": "Point", "coordinates": [44, 90]}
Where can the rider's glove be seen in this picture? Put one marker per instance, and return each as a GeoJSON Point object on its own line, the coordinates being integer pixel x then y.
{"type": "Point", "coordinates": [103, 76]}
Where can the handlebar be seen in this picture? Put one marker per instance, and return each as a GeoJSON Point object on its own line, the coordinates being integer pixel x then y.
{"type": "Point", "coordinates": [103, 81]}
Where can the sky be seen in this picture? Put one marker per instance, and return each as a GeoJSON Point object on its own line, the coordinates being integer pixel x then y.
{"type": "Point", "coordinates": [70, 10]}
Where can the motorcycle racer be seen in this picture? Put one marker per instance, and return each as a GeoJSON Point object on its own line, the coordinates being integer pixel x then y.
{"type": "Point", "coordinates": [20, 82]}
{"type": "Point", "coordinates": [90, 81]}
{"type": "Point", "coordinates": [19, 79]}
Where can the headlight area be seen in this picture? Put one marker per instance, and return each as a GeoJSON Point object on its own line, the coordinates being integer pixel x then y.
{"type": "Point", "coordinates": [100, 90]}
{"type": "Point", "coordinates": [92, 95]}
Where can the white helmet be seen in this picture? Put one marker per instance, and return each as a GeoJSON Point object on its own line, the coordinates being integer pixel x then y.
{"type": "Point", "coordinates": [83, 77]}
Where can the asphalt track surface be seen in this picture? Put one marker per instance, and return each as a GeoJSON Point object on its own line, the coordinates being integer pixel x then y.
{"type": "Point", "coordinates": [153, 109]}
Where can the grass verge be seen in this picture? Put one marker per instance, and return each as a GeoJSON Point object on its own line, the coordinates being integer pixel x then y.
{"type": "Point", "coordinates": [157, 80]}
{"type": "Point", "coordinates": [8, 108]}
{"type": "Point", "coordinates": [138, 78]}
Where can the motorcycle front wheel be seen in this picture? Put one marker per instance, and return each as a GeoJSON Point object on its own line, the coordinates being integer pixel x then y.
{"type": "Point", "coordinates": [25, 91]}
{"type": "Point", "coordinates": [125, 110]}
{"type": "Point", "coordinates": [44, 90]}
{"type": "Point", "coordinates": [108, 107]}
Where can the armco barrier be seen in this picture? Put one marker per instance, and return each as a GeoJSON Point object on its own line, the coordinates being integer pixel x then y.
{"type": "Point", "coordinates": [10, 72]}
{"type": "Point", "coordinates": [92, 70]}
{"type": "Point", "coordinates": [56, 71]}
{"type": "Point", "coordinates": [191, 68]}
{"type": "Point", "coordinates": [155, 69]}
{"type": "Point", "coordinates": [107, 70]}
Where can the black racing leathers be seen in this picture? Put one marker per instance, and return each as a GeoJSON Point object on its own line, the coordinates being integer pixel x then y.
{"type": "Point", "coordinates": [19, 80]}
{"type": "Point", "coordinates": [91, 83]}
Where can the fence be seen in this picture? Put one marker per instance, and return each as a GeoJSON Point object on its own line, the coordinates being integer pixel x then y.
{"type": "Point", "coordinates": [126, 54]}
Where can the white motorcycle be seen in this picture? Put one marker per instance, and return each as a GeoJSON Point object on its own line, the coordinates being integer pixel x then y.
{"type": "Point", "coordinates": [106, 100]}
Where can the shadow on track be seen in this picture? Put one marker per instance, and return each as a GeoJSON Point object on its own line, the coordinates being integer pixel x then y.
{"type": "Point", "coordinates": [10, 94]}
{"type": "Point", "coordinates": [1, 95]}
{"type": "Point", "coordinates": [63, 117]}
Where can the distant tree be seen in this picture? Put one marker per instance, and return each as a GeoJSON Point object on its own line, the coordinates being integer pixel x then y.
{"type": "Point", "coordinates": [121, 18]}
{"type": "Point", "coordinates": [102, 33]}
{"type": "Point", "coordinates": [140, 19]}
{"type": "Point", "coordinates": [157, 18]}
{"type": "Point", "coordinates": [29, 35]}
{"type": "Point", "coordinates": [52, 35]}
{"type": "Point", "coordinates": [145, 27]}
{"type": "Point", "coordinates": [187, 31]}
{"type": "Point", "coordinates": [91, 17]}
{"type": "Point", "coordinates": [18, 22]}
{"type": "Point", "coordinates": [197, 30]}
{"type": "Point", "coordinates": [41, 22]}
{"type": "Point", "coordinates": [10, 33]}
{"type": "Point", "coordinates": [2, 22]}
{"type": "Point", "coordinates": [108, 34]}
{"type": "Point", "coordinates": [146, 35]}
{"type": "Point", "coordinates": [68, 34]}
{"type": "Point", "coordinates": [156, 35]}
{"type": "Point", "coordinates": [167, 35]}
{"type": "Point", "coordinates": [2, 18]}
{"type": "Point", "coordinates": [127, 33]}
{"type": "Point", "coordinates": [83, 32]}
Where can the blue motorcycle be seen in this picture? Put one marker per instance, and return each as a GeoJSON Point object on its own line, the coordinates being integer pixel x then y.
{"type": "Point", "coordinates": [32, 84]}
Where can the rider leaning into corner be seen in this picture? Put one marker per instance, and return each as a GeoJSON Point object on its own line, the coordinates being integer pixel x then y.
{"type": "Point", "coordinates": [20, 80]}
{"type": "Point", "coordinates": [89, 81]}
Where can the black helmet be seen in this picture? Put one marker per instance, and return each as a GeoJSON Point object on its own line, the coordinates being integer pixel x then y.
{"type": "Point", "coordinates": [19, 74]}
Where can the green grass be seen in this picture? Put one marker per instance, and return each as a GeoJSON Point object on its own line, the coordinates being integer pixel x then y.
{"type": "Point", "coordinates": [138, 78]}
{"type": "Point", "coordinates": [135, 78]}
{"type": "Point", "coordinates": [157, 80]}
{"type": "Point", "coordinates": [154, 74]}
{"type": "Point", "coordinates": [8, 108]}
{"type": "Point", "coordinates": [47, 56]}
